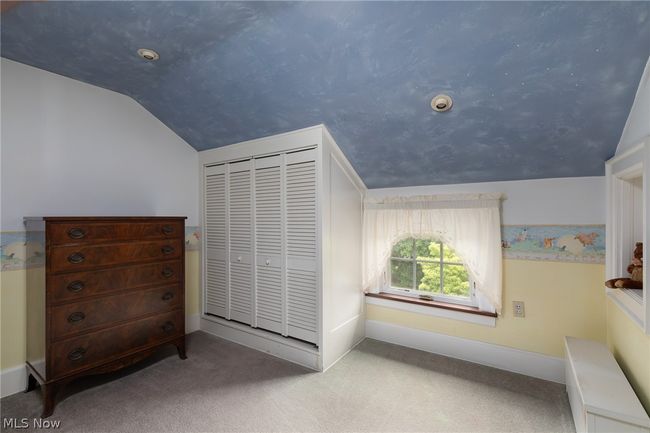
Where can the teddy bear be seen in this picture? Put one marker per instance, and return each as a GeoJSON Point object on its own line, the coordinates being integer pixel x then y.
{"type": "Point", "coordinates": [635, 269]}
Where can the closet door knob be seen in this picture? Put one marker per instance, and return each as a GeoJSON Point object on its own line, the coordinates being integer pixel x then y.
{"type": "Point", "coordinates": [75, 258]}
{"type": "Point", "coordinates": [268, 262]}
{"type": "Point", "coordinates": [76, 233]}
{"type": "Point", "coordinates": [76, 286]}
{"type": "Point", "coordinates": [239, 259]}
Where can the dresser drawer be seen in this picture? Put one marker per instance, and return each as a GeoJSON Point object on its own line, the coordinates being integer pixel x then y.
{"type": "Point", "coordinates": [80, 257]}
{"type": "Point", "coordinates": [61, 233]}
{"type": "Point", "coordinates": [84, 351]}
{"type": "Point", "coordinates": [79, 285]}
{"type": "Point", "coordinates": [74, 318]}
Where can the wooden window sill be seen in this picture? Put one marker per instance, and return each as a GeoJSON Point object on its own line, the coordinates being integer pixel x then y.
{"type": "Point", "coordinates": [431, 304]}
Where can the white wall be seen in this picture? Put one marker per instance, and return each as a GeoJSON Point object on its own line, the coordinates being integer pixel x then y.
{"type": "Point", "coordinates": [576, 200]}
{"type": "Point", "coordinates": [70, 148]}
{"type": "Point", "coordinates": [638, 121]}
{"type": "Point", "coordinates": [343, 300]}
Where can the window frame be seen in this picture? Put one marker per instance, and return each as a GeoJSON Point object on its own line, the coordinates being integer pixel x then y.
{"type": "Point", "coordinates": [470, 300]}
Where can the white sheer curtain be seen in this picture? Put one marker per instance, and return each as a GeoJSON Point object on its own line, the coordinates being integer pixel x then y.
{"type": "Point", "coordinates": [469, 223]}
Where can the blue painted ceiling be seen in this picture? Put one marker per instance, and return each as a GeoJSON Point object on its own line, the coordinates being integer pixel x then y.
{"type": "Point", "coordinates": [541, 89]}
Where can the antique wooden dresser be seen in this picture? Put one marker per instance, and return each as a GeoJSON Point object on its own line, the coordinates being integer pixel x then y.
{"type": "Point", "coordinates": [111, 293]}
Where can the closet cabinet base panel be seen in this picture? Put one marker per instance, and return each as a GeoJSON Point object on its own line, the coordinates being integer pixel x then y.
{"type": "Point", "coordinates": [50, 389]}
{"type": "Point", "coordinates": [291, 350]}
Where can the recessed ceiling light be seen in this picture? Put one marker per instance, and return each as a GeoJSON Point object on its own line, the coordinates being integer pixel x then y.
{"type": "Point", "coordinates": [148, 54]}
{"type": "Point", "coordinates": [441, 103]}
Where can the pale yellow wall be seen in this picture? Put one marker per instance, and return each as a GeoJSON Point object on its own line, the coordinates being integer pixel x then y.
{"type": "Point", "coordinates": [12, 321]}
{"type": "Point", "coordinates": [631, 348]}
{"type": "Point", "coordinates": [192, 284]}
{"type": "Point", "coordinates": [560, 299]}
{"type": "Point", "coordinates": [12, 309]}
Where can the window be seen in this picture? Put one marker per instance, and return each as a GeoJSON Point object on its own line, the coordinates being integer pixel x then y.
{"type": "Point", "coordinates": [429, 267]}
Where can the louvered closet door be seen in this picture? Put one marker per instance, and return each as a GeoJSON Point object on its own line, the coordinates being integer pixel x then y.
{"type": "Point", "coordinates": [216, 241]}
{"type": "Point", "coordinates": [269, 269]}
{"type": "Point", "coordinates": [302, 282]}
{"type": "Point", "coordinates": [241, 241]}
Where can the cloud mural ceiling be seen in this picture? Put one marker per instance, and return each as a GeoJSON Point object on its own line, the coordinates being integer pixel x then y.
{"type": "Point", "coordinates": [541, 89]}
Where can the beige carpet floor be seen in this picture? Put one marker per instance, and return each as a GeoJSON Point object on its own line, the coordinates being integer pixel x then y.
{"type": "Point", "coordinates": [378, 387]}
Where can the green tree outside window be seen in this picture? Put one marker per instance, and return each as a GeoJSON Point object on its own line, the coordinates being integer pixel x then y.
{"type": "Point", "coordinates": [429, 266]}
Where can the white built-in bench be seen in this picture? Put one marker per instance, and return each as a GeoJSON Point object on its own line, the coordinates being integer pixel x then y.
{"type": "Point", "coordinates": [601, 398]}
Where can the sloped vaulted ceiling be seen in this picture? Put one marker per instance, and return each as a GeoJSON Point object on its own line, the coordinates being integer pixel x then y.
{"type": "Point", "coordinates": [541, 89]}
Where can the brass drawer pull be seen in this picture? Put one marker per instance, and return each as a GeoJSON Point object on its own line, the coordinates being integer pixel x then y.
{"type": "Point", "coordinates": [167, 296]}
{"type": "Point", "coordinates": [75, 258]}
{"type": "Point", "coordinates": [167, 249]}
{"type": "Point", "coordinates": [167, 272]}
{"type": "Point", "coordinates": [76, 286]}
{"type": "Point", "coordinates": [168, 327]}
{"type": "Point", "coordinates": [77, 354]}
{"type": "Point", "coordinates": [76, 317]}
{"type": "Point", "coordinates": [167, 230]}
{"type": "Point", "coordinates": [76, 233]}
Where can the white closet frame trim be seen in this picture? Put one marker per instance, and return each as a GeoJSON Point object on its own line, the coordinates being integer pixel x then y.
{"type": "Point", "coordinates": [252, 150]}
{"type": "Point", "coordinates": [342, 332]}
{"type": "Point", "coordinates": [252, 250]}
{"type": "Point", "coordinates": [283, 230]}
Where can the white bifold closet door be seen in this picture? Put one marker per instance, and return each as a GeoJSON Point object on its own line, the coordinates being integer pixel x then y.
{"type": "Point", "coordinates": [301, 246]}
{"type": "Point", "coordinates": [285, 242]}
{"type": "Point", "coordinates": [216, 241]}
{"type": "Point", "coordinates": [240, 228]}
{"type": "Point", "coordinates": [264, 209]}
{"type": "Point", "coordinates": [269, 244]}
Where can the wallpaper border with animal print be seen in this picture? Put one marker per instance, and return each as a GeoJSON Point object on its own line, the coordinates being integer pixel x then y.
{"type": "Point", "coordinates": [559, 243]}
{"type": "Point", "coordinates": [13, 249]}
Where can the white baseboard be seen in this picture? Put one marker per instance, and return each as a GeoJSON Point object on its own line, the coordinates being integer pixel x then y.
{"type": "Point", "coordinates": [354, 344]}
{"type": "Point", "coordinates": [192, 323]}
{"type": "Point", "coordinates": [501, 357]}
{"type": "Point", "coordinates": [342, 339]}
{"type": "Point", "coordinates": [294, 351]}
{"type": "Point", "coordinates": [13, 380]}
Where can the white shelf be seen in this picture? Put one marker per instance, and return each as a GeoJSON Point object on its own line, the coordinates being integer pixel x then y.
{"type": "Point", "coordinates": [635, 294]}
{"type": "Point", "coordinates": [628, 197]}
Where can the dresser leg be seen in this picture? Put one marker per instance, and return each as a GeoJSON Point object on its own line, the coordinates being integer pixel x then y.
{"type": "Point", "coordinates": [32, 383]}
{"type": "Point", "coordinates": [180, 346]}
{"type": "Point", "coordinates": [49, 398]}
